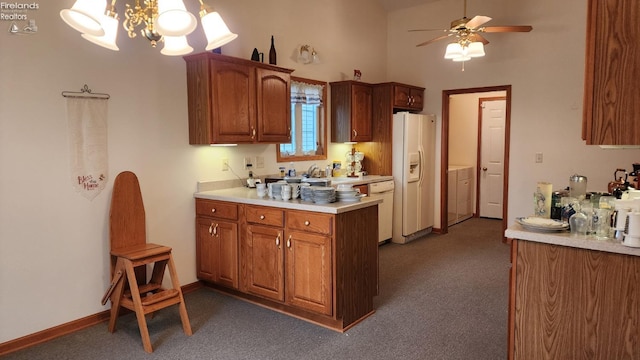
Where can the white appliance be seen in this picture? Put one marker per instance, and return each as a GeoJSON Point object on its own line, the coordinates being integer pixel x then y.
{"type": "Point", "coordinates": [414, 138]}
{"type": "Point", "coordinates": [384, 190]}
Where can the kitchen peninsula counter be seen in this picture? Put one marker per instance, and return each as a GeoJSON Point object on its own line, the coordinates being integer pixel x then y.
{"type": "Point", "coordinates": [316, 262]}
{"type": "Point", "coordinates": [246, 195]}
{"type": "Point", "coordinates": [572, 297]}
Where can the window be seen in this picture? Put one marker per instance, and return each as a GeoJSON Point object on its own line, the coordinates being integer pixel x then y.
{"type": "Point", "coordinates": [308, 122]}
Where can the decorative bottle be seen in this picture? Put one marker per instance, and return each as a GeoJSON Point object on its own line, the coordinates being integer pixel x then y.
{"type": "Point", "coordinates": [272, 53]}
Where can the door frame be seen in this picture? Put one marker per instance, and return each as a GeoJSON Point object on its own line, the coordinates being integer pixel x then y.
{"type": "Point", "coordinates": [444, 152]}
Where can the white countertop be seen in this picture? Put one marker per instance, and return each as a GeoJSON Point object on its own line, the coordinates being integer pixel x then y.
{"type": "Point", "coordinates": [368, 179]}
{"type": "Point", "coordinates": [249, 196]}
{"type": "Point", "coordinates": [565, 238]}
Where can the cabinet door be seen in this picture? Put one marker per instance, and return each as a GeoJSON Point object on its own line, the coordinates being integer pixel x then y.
{"type": "Point", "coordinates": [274, 106]}
{"type": "Point", "coordinates": [417, 99]}
{"type": "Point", "coordinates": [217, 251]}
{"type": "Point", "coordinates": [264, 262]}
{"type": "Point", "coordinates": [234, 103]}
{"type": "Point", "coordinates": [406, 97]}
{"type": "Point", "coordinates": [309, 276]}
{"type": "Point", "coordinates": [612, 99]}
{"type": "Point", "coordinates": [361, 118]}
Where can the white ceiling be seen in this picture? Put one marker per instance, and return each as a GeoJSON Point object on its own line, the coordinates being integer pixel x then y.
{"type": "Point", "coordinates": [391, 5]}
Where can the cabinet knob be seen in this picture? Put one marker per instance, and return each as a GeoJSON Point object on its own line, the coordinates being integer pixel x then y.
{"type": "Point", "coordinates": [278, 240]}
{"type": "Point", "coordinates": [307, 223]}
{"type": "Point", "coordinates": [253, 132]}
{"type": "Point", "coordinates": [484, 169]}
{"type": "Point", "coordinates": [261, 217]}
{"type": "Point", "coordinates": [289, 242]}
{"type": "Point", "coordinates": [213, 210]}
{"type": "Point", "coordinates": [355, 132]}
{"type": "Point", "coordinates": [211, 229]}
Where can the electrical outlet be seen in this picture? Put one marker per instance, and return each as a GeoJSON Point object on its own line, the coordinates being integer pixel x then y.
{"type": "Point", "coordinates": [539, 158]}
{"type": "Point", "coordinates": [248, 164]}
{"type": "Point", "coordinates": [225, 164]}
{"type": "Point", "coordinates": [259, 162]}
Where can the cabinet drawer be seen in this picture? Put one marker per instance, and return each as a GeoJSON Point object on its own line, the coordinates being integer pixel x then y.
{"type": "Point", "coordinates": [264, 216]}
{"type": "Point", "coordinates": [217, 209]}
{"type": "Point", "coordinates": [308, 221]}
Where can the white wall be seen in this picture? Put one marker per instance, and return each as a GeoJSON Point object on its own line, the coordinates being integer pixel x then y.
{"type": "Point", "coordinates": [545, 68]}
{"type": "Point", "coordinates": [53, 242]}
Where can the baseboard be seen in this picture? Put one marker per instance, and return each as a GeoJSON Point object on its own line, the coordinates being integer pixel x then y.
{"type": "Point", "coordinates": [68, 328]}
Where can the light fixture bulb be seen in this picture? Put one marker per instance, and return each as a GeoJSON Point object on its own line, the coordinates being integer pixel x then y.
{"type": "Point", "coordinates": [174, 19]}
{"type": "Point", "coordinates": [475, 49]}
{"type": "Point", "coordinates": [176, 45]}
{"type": "Point", "coordinates": [215, 30]}
{"type": "Point", "coordinates": [454, 50]}
{"type": "Point", "coordinates": [108, 40]}
{"type": "Point", "coordinates": [85, 15]}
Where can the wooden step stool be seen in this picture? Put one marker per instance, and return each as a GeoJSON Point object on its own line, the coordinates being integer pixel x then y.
{"type": "Point", "coordinates": [130, 255]}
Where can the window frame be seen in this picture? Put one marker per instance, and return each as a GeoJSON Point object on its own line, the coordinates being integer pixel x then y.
{"type": "Point", "coordinates": [323, 125]}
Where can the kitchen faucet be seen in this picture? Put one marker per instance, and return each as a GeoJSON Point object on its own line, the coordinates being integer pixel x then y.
{"type": "Point", "coordinates": [313, 171]}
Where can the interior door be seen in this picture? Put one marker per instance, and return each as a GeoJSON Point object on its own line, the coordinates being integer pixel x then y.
{"type": "Point", "coordinates": [492, 154]}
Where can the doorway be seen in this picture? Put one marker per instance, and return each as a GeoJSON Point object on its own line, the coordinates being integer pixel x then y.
{"type": "Point", "coordinates": [450, 129]}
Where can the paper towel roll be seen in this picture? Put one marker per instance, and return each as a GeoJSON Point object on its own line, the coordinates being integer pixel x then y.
{"type": "Point", "coordinates": [542, 199]}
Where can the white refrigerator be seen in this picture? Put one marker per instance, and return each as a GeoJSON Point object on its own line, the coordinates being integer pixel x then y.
{"type": "Point", "coordinates": [413, 163]}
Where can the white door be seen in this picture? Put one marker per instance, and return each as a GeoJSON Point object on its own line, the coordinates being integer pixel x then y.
{"type": "Point", "coordinates": [492, 141]}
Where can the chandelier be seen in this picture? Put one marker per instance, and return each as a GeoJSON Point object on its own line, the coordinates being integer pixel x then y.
{"type": "Point", "coordinates": [165, 21]}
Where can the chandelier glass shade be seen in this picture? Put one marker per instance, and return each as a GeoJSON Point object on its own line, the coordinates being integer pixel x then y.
{"type": "Point", "coordinates": [85, 15]}
{"type": "Point", "coordinates": [165, 21]}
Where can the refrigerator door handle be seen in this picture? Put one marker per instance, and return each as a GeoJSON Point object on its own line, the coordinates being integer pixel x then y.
{"type": "Point", "coordinates": [421, 164]}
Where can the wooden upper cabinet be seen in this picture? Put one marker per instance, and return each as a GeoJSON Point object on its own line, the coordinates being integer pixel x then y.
{"type": "Point", "coordinates": [612, 96]}
{"type": "Point", "coordinates": [408, 97]}
{"type": "Point", "coordinates": [232, 100]}
{"type": "Point", "coordinates": [351, 111]}
{"type": "Point", "coordinates": [274, 105]}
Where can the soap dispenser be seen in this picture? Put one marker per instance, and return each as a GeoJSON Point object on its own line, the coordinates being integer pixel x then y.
{"type": "Point", "coordinates": [292, 170]}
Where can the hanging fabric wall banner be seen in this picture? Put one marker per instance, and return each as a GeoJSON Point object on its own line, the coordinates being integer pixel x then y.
{"type": "Point", "coordinates": [87, 122]}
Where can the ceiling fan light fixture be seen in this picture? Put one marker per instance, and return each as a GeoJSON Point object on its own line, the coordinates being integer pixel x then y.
{"type": "Point", "coordinates": [475, 49]}
{"type": "Point", "coordinates": [454, 51]}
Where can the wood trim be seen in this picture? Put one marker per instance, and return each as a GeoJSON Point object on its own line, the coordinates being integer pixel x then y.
{"type": "Point", "coordinates": [69, 327]}
{"type": "Point", "coordinates": [444, 151]}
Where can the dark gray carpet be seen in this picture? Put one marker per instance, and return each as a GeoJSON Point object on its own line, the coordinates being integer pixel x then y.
{"type": "Point", "coordinates": [441, 297]}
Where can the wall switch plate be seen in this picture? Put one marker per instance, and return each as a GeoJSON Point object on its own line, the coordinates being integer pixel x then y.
{"type": "Point", "coordinates": [225, 164]}
{"type": "Point", "coordinates": [539, 158]}
{"type": "Point", "coordinates": [248, 164]}
{"type": "Point", "coordinates": [259, 162]}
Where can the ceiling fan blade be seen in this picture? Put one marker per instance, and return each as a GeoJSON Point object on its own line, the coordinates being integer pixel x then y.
{"type": "Point", "coordinates": [443, 30]}
{"type": "Point", "coordinates": [433, 40]}
{"type": "Point", "coordinates": [477, 21]}
{"type": "Point", "coordinates": [478, 37]}
{"type": "Point", "coordinates": [520, 28]}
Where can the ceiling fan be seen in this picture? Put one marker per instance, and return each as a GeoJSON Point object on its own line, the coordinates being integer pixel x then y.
{"type": "Point", "coordinates": [467, 31]}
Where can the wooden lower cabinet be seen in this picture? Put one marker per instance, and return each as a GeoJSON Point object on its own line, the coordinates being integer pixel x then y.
{"type": "Point", "coordinates": [263, 261]}
{"type": "Point", "coordinates": [289, 265]}
{"type": "Point", "coordinates": [570, 303]}
{"type": "Point", "coordinates": [217, 242]}
{"type": "Point", "coordinates": [319, 267]}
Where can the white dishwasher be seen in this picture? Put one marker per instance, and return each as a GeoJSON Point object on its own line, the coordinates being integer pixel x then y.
{"type": "Point", "coordinates": [383, 190]}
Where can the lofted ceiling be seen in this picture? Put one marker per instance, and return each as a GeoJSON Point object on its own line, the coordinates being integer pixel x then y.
{"type": "Point", "coordinates": [392, 5]}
